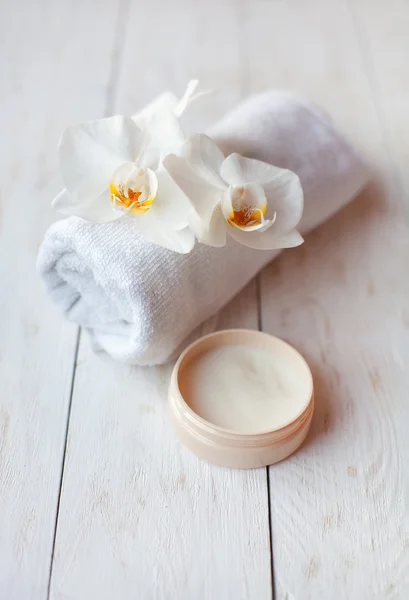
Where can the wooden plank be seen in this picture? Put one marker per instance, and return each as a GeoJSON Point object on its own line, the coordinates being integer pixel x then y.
{"type": "Point", "coordinates": [142, 516]}
{"type": "Point", "coordinates": [188, 40]}
{"type": "Point", "coordinates": [139, 515]}
{"type": "Point", "coordinates": [382, 32]}
{"type": "Point", "coordinates": [44, 88]}
{"type": "Point", "coordinates": [339, 507]}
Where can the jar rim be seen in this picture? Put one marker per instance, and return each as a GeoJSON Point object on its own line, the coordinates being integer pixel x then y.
{"type": "Point", "coordinates": [212, 431]}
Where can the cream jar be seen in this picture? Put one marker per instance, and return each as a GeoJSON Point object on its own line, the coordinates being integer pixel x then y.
{"type": "Point", "coordinates": [241, 398]}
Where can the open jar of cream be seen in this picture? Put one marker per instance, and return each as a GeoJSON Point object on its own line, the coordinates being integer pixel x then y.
{"type": "Point", "coordinates": [241, 398]}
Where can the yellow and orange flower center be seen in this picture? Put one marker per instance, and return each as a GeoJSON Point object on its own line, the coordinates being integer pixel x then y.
{"type": "Point", "coordinates": [130, 189]}
{"type": "Point", "coordinates": [242, 214]}
{"type": "Point", "coordinates": [128, 198]}
{"type": "Point", "coordinates": [246, 216]}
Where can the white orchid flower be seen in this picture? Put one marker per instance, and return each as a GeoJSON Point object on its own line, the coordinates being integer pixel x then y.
{"type": "Point", "coordinates": [257, 204]}
{"type": "Point", "coordinates": [170, 102]}
{"type": "Point", "coordinates": [113, 167]}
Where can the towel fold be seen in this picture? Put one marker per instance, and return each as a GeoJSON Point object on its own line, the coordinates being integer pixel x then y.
{"type": "Point", "coordinates": [139, 301]}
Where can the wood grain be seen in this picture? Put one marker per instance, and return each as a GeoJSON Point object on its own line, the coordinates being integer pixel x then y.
{"type": "Point", "coordinates": [44, 89]}
{"type": "Point", "coordinates": [140, 517]}
{"type": "Point", "coordinates": [340, 506]}
{"type": "Point", "coordinates": [162, 523]}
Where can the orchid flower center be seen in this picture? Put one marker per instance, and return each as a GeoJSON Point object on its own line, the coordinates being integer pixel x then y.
{"type": "Point", "coordinates": [132, 188]}
{"type": "Point", "coordinates": [248, 206]}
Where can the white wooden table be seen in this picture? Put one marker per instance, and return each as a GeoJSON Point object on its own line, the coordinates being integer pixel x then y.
{"type": "Point", "coordinates": [97, 499]}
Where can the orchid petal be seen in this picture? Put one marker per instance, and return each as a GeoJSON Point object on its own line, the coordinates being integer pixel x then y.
{"type": "Point", "coordinates": [226, 204]}
{"type": "Point", "coordinates": [215, 234]}
{"type": "Point", "coordinates": [189, 96]}
{"type": "Point", "coordinates": [91, 151]}
{"type": "Point", "coordinates": [155, 231]}
{"type": "Point", "coordinates": [285, 198]}
{"type": "Point", "coordinates": [169, 101]}
{"type": "Point", "coordinates": [171, 204]}
{"type": "Point", "coordinates": [98, 209]}
{"type": "Point", "coordinates": [205, 158]}
{"type": "Point", "coordinates": [165, 102]}
{"type": "Point", "coordinates": [237, 169]}
{"type": "Point", "coordinates": [164, 136]}
{"type": "Point", "coordinates": [282, 189]}
{"type": "Point", "coordinates": [266, 240]}
{"type": "Point", "coordinates": [203, 196]}
{"type": "Point", "coordinates": [153, 179]}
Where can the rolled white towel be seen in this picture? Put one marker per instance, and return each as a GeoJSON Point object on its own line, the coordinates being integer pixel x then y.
{"type": "Point", "coordinates": [139, 301]}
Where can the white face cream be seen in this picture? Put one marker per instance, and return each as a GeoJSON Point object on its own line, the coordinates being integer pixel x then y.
{"type": "Point", "coordinates": [245, 388]}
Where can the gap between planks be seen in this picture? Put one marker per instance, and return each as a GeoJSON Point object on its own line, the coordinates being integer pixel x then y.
{"type": "Point", "coordinates": [121, 25]}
